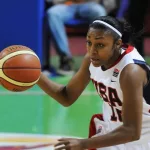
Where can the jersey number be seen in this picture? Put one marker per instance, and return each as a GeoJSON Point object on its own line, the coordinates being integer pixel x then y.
{"type": "Point", "coordinates": [112, 99]}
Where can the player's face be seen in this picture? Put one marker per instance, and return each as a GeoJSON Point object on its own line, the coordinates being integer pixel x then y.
{"type": "Point", "coordinates": [100, 47]}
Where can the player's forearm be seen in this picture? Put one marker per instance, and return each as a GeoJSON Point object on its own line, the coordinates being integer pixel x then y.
{"type": "Point", "coordinates": [55, 90]}
{"type": "Point", "coordinates": [119, 136]}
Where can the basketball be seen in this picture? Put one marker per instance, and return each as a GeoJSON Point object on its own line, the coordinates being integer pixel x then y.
{"type": "Point", "coordinates": [20, 68]}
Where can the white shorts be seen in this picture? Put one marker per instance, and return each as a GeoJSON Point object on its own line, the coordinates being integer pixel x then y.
{"type": "Point", "coordinates": [99, 127]}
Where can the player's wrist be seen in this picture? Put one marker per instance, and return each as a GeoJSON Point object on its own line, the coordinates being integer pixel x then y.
{"type": "Point", "coordinates": [84, 143]}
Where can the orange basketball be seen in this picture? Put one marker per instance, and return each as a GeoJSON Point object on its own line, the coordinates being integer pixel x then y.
{"type": "Point", "coordinates": [20, 68]}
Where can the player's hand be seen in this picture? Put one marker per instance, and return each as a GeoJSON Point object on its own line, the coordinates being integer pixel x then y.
{"type": "Point", "coordinates": [69, 144]}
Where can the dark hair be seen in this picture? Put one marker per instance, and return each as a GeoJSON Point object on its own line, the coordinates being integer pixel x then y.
{"type": "Point", "coordinates": [128, 36]}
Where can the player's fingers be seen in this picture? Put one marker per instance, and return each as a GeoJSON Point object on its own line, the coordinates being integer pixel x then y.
{"type": "Point", "coordinates": [66, 147]}
{"type": "Point", "coordinates": [64, 139]}
{"type": "Point", "coordinates": [61, 143]}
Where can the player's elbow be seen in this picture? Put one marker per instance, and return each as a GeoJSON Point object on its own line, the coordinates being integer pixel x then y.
{"type": "Point", "coordinates": [68, 103]}
{"type": "Point", "coordinates": [136, 136]}
{"type": "Point", "coordinates": [136, 133]}
{"type": "Point", "coordinates": [131, 133]}
{"type": "Point", "coordinates": [68, 98]}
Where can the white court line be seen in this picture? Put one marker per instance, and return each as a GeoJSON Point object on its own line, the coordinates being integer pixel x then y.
{"type": "Point", "coordinates": [40, 93]}
{"type": "Point", "coordinates": [29, 141]}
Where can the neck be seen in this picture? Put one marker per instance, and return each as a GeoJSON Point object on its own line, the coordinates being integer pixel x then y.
{"type": "Point", "coordinates": [113, 59]}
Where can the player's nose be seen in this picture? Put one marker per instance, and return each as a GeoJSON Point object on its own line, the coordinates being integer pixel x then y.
{"type": "Point", "coordinates": [93, 50]}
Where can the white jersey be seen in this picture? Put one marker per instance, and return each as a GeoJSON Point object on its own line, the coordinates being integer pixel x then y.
{"type": "Point", "coordinates": [108, 87]}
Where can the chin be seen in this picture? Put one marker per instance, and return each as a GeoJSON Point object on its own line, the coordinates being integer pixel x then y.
{"type": "Point", "coordinates": [96, 64]}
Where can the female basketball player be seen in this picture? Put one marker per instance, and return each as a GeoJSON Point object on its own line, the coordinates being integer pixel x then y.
{"type": "Point", "coordinates": [119, 74]}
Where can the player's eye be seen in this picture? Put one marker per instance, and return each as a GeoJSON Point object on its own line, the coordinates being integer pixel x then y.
{"type": "Point", "coordinates": [99, 45]}
{"type": "Point", "coordinates": [88, 43]}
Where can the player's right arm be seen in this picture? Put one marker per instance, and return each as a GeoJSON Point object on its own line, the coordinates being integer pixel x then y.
{"type": "Point", "coordinates": [67, 95]}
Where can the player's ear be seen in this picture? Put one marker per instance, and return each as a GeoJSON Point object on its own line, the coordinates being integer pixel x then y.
{"type": "Point", "coordinates": [118, 43]}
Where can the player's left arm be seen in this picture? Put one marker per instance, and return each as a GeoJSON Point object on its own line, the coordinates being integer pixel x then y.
{"type": "Point", "coordinates": [132, 80]}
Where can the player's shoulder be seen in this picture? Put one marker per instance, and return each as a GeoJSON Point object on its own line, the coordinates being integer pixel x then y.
{"type": "Point", "coordinates": [86, 59]}
{"type": "Point", "coordinates": [133, 72]}
{"type": "Point", "coordinates": [85, 63]}
{"type": "Point", "coordinates": [129, 55]}
{"type": "Point", "coordinates": [131, 51]}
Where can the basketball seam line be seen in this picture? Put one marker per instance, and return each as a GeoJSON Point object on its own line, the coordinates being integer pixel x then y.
{"type": "Point", "coordinates": [6, 78]}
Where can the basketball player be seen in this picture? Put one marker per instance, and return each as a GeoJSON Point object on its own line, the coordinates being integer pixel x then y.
{"type": "Point", "coordinates": [119, 74]}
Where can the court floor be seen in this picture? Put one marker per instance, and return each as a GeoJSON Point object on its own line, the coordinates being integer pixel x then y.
{"type": "Point", "coordinates": [34, 112]}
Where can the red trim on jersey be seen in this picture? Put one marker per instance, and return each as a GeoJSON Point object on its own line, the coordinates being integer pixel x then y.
{"type": "Point", "coordinates": [128, 50]}
{"type": "Point", "coordinates": [92, 127]}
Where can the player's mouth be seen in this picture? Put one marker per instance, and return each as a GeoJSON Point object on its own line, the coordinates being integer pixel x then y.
{"type": "Point", "coordinates": [94, 60]}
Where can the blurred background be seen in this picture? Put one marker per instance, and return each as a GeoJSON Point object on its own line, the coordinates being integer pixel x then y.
{"type": "Point", "coordinates": [56, 31]}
